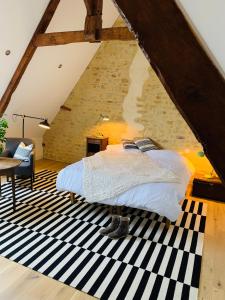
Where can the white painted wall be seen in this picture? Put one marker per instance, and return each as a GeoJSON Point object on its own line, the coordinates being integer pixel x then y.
{"type": "Point", "coordinates": [18, 20]}
{"type": "Point", "coordinates": [207, 18]}
{"type": "Point", "coordinates": [44, 87]}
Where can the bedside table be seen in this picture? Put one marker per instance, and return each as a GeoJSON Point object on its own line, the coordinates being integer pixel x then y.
{"type": "Point", "coordinates": [208, 188]}
{"type": "Point", "coordinates": [96, 144]}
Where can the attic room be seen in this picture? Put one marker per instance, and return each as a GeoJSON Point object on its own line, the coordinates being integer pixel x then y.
{"type": "Point", "coordinates": [112, 146]}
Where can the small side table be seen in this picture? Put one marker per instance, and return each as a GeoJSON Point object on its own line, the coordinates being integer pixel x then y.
{"type": "Point", "coordinates": [96, 144]}
{"type": "Point", "coordinates": [208, 188]}
{"type": "Point", "coordinates": [7, 168]}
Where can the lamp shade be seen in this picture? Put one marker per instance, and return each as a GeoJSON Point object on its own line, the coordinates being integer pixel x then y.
{"type": "Point", "coordinates": [105, 118]}
{"type": "Point", "coordinates": [44, 124]}
{"type": "Point", "coordinates": [201, 153]}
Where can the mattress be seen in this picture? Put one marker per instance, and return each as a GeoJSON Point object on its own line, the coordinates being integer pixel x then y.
{"type": "Point", "coordinates": [162, 197]}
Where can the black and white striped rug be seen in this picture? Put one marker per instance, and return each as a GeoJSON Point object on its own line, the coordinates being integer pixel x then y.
{"type": "Point", "coordinates": [50, 235]}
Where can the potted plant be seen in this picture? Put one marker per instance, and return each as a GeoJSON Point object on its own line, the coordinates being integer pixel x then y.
{"type": "Point", "coordinates": [3, 128]}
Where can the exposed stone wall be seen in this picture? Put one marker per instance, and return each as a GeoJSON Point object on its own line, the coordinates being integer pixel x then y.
{"type": "Point", "coordinates": [120, 83]}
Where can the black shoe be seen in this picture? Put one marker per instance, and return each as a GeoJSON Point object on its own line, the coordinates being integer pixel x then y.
{"type": "Point", "coordinates": [112, 227]}
{"type": "Point", "coordinates": [122, 230]}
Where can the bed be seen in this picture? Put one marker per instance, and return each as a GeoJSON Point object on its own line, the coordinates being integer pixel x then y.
{"type": "Point", "coordinates": [162, 198]}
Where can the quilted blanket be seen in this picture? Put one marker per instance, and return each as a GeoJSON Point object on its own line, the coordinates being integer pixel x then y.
{"type": "Point", "coordinates": [108, 174]}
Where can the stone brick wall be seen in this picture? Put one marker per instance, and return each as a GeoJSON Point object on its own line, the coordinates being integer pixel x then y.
{"type": "Point", "coordinates": [120, 83]}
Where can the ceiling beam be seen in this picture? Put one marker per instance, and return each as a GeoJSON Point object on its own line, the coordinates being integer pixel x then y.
{"type": "Point", "coordinates": [29, 52]}
{"type": "Point", "coordinates": [93, 20]}
{"type": "Point", "coordinates": [190, 77]}
{"type": "Point", "coordinates": [62, 38]}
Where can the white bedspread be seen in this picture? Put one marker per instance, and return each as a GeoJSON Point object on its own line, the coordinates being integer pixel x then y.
{"type": "Point", "coordinates": [161, 197]}
{"type": "Point", "coordinates": [108, 174]}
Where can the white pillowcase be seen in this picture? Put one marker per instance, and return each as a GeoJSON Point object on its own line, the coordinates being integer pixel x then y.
{"type": "Point", "coordinates": [119, 148]}
{"type": "Point", "coordinates": [23, 152]}
{"type": "Point", "coordinates": [116, 147]}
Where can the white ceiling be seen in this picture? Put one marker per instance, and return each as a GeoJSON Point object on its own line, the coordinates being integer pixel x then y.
{"type": "Point", "coordinates": [44, 87]}
{"type": "Point", "coordinates": [18, 20]}
{"type": "Point", "coordinates": [208, 21]}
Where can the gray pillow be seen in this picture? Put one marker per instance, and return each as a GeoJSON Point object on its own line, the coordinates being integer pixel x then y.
{"type": "Point", "coordinates": [129, 144]}
{"type": "Point", "coordinates": [145, 144]}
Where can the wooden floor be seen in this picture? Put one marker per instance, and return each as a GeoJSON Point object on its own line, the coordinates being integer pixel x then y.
{"type": "Point", "coordinates": [20, 283]}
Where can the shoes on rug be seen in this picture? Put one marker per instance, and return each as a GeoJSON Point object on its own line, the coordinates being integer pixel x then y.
{"type": "Point", "coordinates": [122, 230]}
{"type": "Point", "coordinates": [118, 228]}
{"type": "Point", "coordinates": [115, 222]}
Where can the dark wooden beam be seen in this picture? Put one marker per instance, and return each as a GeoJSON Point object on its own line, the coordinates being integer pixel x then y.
{"type": "Point", "coordinates": [41, 28]}
{"type": "Point", "coordinates": [67, 37]}
{"type": "Point", "coordinates": [64, 107]}
{"type": "Point", "coordinates": [93, 20]}
{"type": "Point", "coordinates": [191, 79]}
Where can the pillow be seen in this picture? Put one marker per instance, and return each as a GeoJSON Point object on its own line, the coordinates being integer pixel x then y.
{"type": "Point", "coordinates": [115, 148]}
{"type": "Point", "coordinates": [129, 144]}
{"type": "Point", "coordinates": [145, 144]}
{"type": "Point", "coordinates": [23, 152]}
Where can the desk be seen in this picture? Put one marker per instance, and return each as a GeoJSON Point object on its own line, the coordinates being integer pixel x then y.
{"type": "Point", "coordinates": [7, 168]}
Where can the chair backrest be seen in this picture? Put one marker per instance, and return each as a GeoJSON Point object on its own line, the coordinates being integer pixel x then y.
{"type": "Point", "coordinates": [13, 143]}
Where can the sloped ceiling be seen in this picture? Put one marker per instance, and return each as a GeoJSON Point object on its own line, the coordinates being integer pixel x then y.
{"type": "Point", "coordinates": [44, 86]}
{"type": "Point", "coordinates": [207, 20]}
{"type": "Point", "coordinates": [18, 20]}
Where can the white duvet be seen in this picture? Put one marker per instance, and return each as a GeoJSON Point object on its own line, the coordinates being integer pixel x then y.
{"type": "Point", "coordinates": [108, 174]}
{"type": "Point", "coordinates": [160, 197]}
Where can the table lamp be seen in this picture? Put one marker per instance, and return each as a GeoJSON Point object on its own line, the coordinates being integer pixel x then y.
{"type": "Point", "coordinates": [211, 174]}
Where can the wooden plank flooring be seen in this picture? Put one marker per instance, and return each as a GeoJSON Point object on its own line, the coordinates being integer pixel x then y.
{"type": "Point", "coordinates": [20, 283]}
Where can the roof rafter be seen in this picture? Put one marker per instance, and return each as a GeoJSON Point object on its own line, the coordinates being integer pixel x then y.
{"type": "Point", "coordinates": [93, 20]}
{"type": "Point", "coordinates": [67, 37]}
{"type": "Point", "coordinates": [93, 32]}
{"type": "Point", "coordinates": [194, 84]}
{"type": "Point", "coordinates": [29, 52]}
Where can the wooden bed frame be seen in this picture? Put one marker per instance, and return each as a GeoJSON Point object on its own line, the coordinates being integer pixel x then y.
{"type": "Point", "coordinates": [115, 209]}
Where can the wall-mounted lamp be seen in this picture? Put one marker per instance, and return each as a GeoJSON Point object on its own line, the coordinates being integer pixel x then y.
{"type": "Point", "coordinates": [43, 124]}
{"type": "Point", "coordinates": [104, 117]}
{"type": "Point", "coordinates": [101, 118]}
